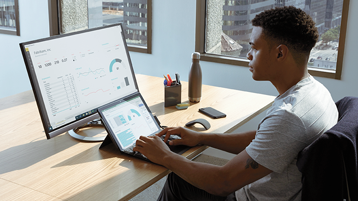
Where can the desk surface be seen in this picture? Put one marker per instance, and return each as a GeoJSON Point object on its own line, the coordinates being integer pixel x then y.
{"type": "Point", "coordinates": [32, 167]}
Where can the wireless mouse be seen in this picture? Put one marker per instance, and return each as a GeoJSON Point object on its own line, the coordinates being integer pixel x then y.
{"type": "Point", "coordinates": [203, 122]}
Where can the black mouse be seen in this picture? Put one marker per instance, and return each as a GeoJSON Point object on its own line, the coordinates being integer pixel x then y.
{"type": "Point", "coordinates": [203, 122]}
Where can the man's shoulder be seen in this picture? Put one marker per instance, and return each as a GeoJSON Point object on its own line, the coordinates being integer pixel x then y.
{"type": "Point", "coordinates": [304, 95]}
{"type": "Point", "coordinates": [308, 108]}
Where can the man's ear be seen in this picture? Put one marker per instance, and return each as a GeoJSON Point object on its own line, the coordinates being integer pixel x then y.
{"type": "Point", "coordinates": [281, 51]}
{"type": "Point", "coordinates": [279, 55]}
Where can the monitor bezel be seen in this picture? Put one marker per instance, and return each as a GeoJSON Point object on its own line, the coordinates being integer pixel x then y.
{"type": "Point", "coordinates": [37, 92]}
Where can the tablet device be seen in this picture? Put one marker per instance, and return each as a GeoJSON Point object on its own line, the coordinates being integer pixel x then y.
{"type": "Point", "coordinates": [128, 118]}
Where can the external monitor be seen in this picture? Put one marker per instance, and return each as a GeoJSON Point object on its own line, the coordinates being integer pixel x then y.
{"type": "Point", "coordinates": [74, 74]}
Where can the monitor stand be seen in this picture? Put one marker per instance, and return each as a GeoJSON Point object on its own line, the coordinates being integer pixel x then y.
{"type": "Point", "coordinates": [94, 123]}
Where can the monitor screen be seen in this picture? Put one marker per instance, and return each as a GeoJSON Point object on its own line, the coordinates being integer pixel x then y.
{"type": "Point", "coordinates": [74, 74]}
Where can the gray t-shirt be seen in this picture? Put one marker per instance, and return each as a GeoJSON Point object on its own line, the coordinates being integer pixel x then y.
{"type": "Point", "coordinates": [296, 118]}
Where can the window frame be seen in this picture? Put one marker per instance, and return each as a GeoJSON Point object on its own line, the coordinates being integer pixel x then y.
{"type": "Point", "coordinates": [16, 32]}
{"type": "Point", "coordinates": [54, 25]}
{"type": "Point", "coordinates": [223, 59]}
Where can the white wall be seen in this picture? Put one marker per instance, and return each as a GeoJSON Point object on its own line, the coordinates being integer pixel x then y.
{"type": "Point", "coordinates": [174, 39]}
{"type": "Point", "coordinates": [34, 24]}
{"type": "Point", "coordinates": [173, 43]}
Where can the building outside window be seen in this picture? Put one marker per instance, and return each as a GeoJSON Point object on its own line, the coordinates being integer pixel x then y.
{"type": "Point", "coordinates": [228, 28]}
{"type": "Point", "coordinates": [7, 14]}
{"type": "Point", "coordinates": [9, 22]}
{"type": "Point", "coordinates": [136, 19]}
{"type": "Point", "coordinates": [76, 15]}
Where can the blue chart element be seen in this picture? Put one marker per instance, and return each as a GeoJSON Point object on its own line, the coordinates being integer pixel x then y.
{"type": "Point", "coordinates": [126, 137]}
{"type": "Point", "coordinates": [123, 120]}
{"type": "Point", "coordinates": [120, 120]}
{"type": "Point", "coordinates": [133, 111]}
{"type": "Point", "coordinates": [112, 63]}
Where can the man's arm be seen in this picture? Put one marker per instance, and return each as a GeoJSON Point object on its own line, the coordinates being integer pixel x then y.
{"type": "Point", "coordinates": [233, 143]}
{"type": "Point", "coordinates": [217, 180]}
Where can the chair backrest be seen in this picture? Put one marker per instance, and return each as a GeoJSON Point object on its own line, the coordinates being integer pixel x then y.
{"type": "Point", "coordinates": [346, 180]}
{"type": "Point", "coordinates": [329, 165]}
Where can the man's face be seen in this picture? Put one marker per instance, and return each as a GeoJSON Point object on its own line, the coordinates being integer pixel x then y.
{"type": "Point", "coordinates": [260, 56]}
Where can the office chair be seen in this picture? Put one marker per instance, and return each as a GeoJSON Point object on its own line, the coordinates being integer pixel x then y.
{"type": "Point", "coordinates": [329, 164]}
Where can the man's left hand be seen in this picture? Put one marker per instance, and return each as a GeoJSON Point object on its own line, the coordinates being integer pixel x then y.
{"type": "Point", "coordinates": [153, 148]}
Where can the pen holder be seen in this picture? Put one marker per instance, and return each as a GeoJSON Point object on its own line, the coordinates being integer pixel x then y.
{"type": "Point", "coordinates": [172, 95]}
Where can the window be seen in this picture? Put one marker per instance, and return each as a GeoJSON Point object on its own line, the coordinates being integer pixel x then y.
{"type": "Point", "coordinates": [9, 17]}
{"type": "Point", "coordinates": [73, 15]}
{"type": "Point", "coordinates": [224, 27]}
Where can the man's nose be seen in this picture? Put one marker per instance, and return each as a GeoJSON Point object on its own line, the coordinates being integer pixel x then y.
{"type": "Point", "coordinates": [249, 56]}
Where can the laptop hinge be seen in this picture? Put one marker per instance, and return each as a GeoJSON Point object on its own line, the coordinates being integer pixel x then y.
{"type": "Point", "coordinates": [156, 119]}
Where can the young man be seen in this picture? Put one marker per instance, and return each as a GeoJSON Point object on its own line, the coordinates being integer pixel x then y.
{"type": "Point", "coordinates": [265, 165]}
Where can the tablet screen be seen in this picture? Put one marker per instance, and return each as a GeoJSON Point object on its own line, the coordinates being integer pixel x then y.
{"type": "Point", "coordinates": [128, 119]}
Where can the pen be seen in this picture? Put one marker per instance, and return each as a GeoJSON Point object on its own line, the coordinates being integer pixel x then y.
{"type": "Point", "coordinates": [165, 78]}
{"type": "Point", "coordinates": [169, 80]}
{"type": "Point", "coordinates": [177, 77]}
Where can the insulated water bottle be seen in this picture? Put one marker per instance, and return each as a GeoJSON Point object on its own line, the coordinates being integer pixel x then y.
{"type": "Point", "coordinates": [195, 79]}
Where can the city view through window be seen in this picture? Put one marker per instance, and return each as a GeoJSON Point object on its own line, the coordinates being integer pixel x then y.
{"type": "Point", "coordinates": [228, 27]}
{"type": "Point", "coordinates": [132, 15]}
{"type": "Point", "coordinates": [83, 14]}
{"type": "Point", "coordinates": [7, 15]}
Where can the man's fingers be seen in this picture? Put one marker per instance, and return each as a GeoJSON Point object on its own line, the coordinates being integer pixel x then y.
{"type": "Point", "coordinates": [144, 138]}
{"type": "Point", "coordinates": [137, 148]}
{"type": "Point", "coordinates": [163, 132]}
{"type": "Point", "coordinates": [176, 142]}
{"type": "Point", "coordinates": [166, 138]}
{"type": "Point", "coordinates": [172, 131]}
{"type": "Point", "coordinates": [141, 141]}
{"type": "Point", "coordinates": [167, 132]}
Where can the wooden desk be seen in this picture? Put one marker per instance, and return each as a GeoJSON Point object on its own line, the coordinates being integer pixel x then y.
{"type": "Point", "coordinates": [62, 168]}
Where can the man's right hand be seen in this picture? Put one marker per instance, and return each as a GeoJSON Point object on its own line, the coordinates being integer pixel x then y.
{"type": "Point", "coordinates": [188, 137]}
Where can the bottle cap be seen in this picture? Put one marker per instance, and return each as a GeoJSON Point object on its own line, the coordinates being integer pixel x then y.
{"type": "Point", "coordinates": [195, 55]}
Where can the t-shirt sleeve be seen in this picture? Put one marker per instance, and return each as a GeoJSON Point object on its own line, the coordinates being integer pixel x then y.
{"type": "Point", "coordinates": [278, 140]}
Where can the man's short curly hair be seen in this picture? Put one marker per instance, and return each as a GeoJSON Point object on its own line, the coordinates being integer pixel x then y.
{"type": "Point", "coordinates": [289, 26]}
